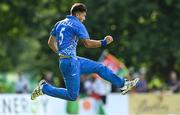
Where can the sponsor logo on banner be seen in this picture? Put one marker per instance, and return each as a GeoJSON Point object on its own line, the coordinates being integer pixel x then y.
{"type": "Point", "coordinates": [154, 104]}
{"type": "Point", "coordinates": [14, 104]}
{"type": "Point", "coordinates": [88, 106]}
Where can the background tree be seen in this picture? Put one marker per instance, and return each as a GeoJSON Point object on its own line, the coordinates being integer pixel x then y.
{"type": "Point", "coordinates": [146, 33]}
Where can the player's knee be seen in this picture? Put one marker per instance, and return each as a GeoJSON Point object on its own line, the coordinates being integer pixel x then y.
{"type": "Point", "coordinates": [73, 97]}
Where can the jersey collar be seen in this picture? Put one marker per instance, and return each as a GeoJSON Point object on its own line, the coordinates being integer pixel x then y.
{"type": "Point", "coordinates": [72, 17]}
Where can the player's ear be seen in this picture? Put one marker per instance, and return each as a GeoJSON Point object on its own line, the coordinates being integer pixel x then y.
{"type": "Point", "coordinates": [77, 14]}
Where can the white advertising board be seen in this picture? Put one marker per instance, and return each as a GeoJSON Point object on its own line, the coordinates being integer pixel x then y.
{"type": "Point", "coordinates": [14, 104]}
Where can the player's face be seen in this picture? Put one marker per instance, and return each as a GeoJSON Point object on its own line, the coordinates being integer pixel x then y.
{"type": "Point", "coordinates": [81, 16]}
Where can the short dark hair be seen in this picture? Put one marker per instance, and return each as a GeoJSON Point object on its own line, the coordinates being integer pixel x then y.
{"type": "Point", "coordinates": [78, 7]}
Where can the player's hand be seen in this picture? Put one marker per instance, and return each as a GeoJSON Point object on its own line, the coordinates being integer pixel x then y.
{"type": "Point", "coordinates": [109, 39]}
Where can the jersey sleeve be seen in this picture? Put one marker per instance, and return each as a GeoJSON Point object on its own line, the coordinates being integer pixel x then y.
{"type": "Point", "coordinates": [53, 31]}
{"type": "Point", "coordinates": [82, 32]}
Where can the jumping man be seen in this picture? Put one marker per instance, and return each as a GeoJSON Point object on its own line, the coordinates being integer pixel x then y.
{"type": "Point", "coordinates": [63, 40]}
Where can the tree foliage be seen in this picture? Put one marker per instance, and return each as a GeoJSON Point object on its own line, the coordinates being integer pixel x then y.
{"type": "Point", "coordinates": [146, 32]}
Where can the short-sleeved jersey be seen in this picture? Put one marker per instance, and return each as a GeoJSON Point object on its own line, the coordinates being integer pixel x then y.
{"type": "Point", "coordinates": [67, 33]}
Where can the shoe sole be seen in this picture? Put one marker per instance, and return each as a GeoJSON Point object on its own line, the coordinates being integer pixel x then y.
{"type": "Point", "coordinates": [129, 88]}
{"type": "Point", "coordinates": [37, 88]}
{"type": "Point", "coordinates": [34, 91]}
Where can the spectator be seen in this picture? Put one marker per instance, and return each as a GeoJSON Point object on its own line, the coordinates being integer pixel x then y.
{"type": "Point", "coordinates": [83, 90]}
{"type": "Point", "coordinates": [101, 88]}
{"type": "Point", "coordinates": [88, 86]}
{"type": "Point", "coordinates": [22, 84]}
{"type": "Point", "coordinates": [48, 76]}
{"type": "Point", "coordinates": [142, 84]}
{"type": "Point", "coordinates": [156, 84]}
{"type": "Point", "coordinates": [173, 83]}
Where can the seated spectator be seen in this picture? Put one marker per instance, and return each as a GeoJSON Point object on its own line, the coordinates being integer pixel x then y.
{"type": "Point", "coordinates": [156, 84]}
{"type": "Point", "coordinates": [173, 83]}
{"type": "Point", "coordinates": [48, 76]}
{"type": "Point", "coordinates": [142, 85]}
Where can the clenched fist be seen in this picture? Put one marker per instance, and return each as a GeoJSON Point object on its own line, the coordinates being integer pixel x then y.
{"type": "Point", "coordinates": [109, 39]}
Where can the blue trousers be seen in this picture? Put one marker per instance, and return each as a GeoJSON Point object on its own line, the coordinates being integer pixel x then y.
{"type": "Point", "coordinates": [72, 68]}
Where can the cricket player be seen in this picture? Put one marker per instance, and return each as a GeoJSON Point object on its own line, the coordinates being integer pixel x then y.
{"type": "Point", "coordinates": [63, 40]}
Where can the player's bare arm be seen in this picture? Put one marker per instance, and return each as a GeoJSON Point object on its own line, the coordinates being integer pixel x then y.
{"type": "Point", "coordinates": [52, 43]}
{"type": "Point", "coordinates": [88, 43]}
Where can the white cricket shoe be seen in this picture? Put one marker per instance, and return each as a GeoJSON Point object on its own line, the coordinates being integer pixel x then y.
{"type": "Point", "coordinates": [128, 85]}
{"type": "Point", "coordinates": [38, 90]}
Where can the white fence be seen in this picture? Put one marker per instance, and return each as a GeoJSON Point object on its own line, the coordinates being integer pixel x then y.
{"type": "Point", "coordinates": [14, 104]}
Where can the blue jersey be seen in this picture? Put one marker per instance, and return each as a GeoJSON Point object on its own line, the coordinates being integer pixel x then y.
{"type": "Point", "coordinates": [67, 33]}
